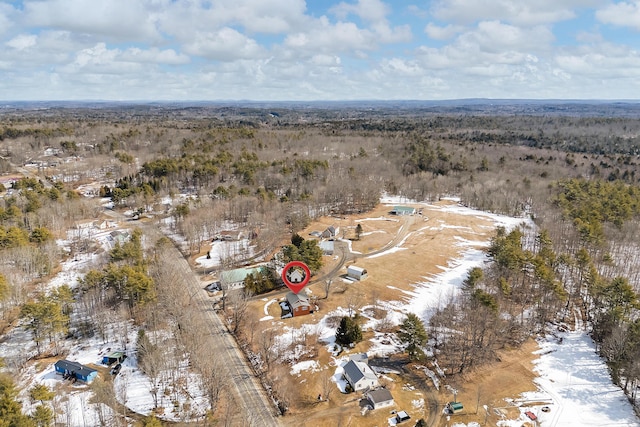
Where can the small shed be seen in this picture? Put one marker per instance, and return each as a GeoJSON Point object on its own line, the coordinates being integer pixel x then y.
{"type": "Point", "coordinates": [75, 370]}
{"type": "Point", "coordinates": [356, 273]}
{"type": "Point", "coordinates": [298, 303]}
{"type": "Point", "coordinates": [402, 416]}
{"type": "Point", "coordinates": [454, 407]}
{"type": "Point", "coordinates": [380, 398]}
{"type": "Point", "coordinates": [531, 415]}
{"type": "Point", "coordinates": [114, 357]}
{"type": "Point", "coordinates": [327, 247]}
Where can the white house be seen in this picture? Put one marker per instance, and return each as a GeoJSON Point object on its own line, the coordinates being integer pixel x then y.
{"type": "Point", "coordinates": [360, 376]}
{"type": "Point", "coordinates": [356, 273]}
{"type": "Point", "coordinates": [331, 232]}
{"type": "Point", "coordinates": [380, 398]}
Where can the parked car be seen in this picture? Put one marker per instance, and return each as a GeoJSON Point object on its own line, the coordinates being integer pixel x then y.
{"type": "Point", "coordinates": [116, 369]}
{"type": "Point", "coordinates": [213, 287]}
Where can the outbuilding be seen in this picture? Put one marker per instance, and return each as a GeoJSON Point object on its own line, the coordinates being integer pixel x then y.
{"type": "Point", "coordinates": [330, 232]}
{"type": "Point", "coordinates": [114, 357]}
{"type": "Point", "coordinates": [455, 407]}
{"type": "Point", "coordinates": [356, 273]}
{"type": "Point", "coordinates": [403, 210]}
{"type": "Point", "coordinates": [380, 398]}
{"type": "Point", "coordinates": [402, 416]}
{"type": "Point", "coordinates": [327, 247]}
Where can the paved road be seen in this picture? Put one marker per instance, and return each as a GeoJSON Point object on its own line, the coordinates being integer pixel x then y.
{"type": "Point", "coordinates": [255, 408]}
{"type": "Point", "coordinates": [254, 405]}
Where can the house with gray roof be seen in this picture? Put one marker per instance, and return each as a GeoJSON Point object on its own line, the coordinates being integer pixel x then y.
{"type": "Point", "coordinates": [380, 398]}
{"type": "Point", "coordinates": [360, 376]}
{"type": "Point", "coordinates": [299, 304]}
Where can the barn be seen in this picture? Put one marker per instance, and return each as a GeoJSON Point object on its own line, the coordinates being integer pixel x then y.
{"type": "Point", "coordinates": [403, 210]}
{"type": "Point", "coordinates": [356, 273]}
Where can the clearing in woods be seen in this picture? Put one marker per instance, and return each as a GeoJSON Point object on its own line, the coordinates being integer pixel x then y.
{"type": "Point", "coordinates": [408, 250]}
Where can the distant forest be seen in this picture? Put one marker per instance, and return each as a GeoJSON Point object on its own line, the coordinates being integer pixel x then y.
{"type": "Point", "coordinates": [571, 167]}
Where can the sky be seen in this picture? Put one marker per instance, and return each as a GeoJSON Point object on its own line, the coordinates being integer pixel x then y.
{"type": "Point", "coordinates": [297, 50]}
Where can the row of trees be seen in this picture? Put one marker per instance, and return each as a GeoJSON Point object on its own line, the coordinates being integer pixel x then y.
{"type": "Point", "coordinates": [536, 280]}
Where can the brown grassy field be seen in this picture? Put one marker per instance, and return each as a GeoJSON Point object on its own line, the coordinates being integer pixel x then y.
{"type": "Point", "coordinates": [428, 241]}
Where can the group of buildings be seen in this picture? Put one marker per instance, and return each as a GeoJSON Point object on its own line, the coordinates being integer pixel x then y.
{"type": "Point", "coordinates": [361, 378]}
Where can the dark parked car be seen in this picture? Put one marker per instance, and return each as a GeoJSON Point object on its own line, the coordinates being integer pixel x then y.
{"type": "Point", "coordinates": [116, 369]}
{"type": "Point", "coordinates": [213, 287]}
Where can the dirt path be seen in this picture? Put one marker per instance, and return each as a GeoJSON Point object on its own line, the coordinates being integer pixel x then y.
{"type": "Point", "coordinates": [431, 395]}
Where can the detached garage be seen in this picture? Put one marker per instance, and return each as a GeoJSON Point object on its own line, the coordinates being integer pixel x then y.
{"type": "Point", "coordinates": [356, 273]}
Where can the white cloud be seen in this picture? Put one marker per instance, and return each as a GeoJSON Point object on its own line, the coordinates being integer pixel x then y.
{"type": "Point", "coordinates": [623, 14]}
{"type": "Point", "coordinates": [519, 12]}
{"type": "Point", "coordinates": [442, 33]}
{"type": "Point", "coordinates": [114, 19]}
{"type": "Point", "coordinates": [99, 59]}
{"type": "Point", "coordinates": [602, 61]}
{"type": "Point", "coordinates": [217, 49]}
{"type": "Point", "coordinates": [490, 43]}
{"type": "Point", "coordinates": [326, 60]}
{"type": "Point", "coordinates": [184, 18]}
{"type": "Point", "coordinates": [387, 35]}
{"type": "Point", "coordinates": [374, 12]}
{"type": "Point", "coordinates": [6, 21]}
{"type": "Point", "coordinates": [368, 10]}
{"type": "Point", "coordinates": [329, 38]}
{"type": "Point", "coordinates": [226, 44]}
{"type": "Point", "coordinates": [398, 66]}
{"type": "Point", "coordinates": [22, 41]}
{"type": "Point", "coordinates": [154, 55]}
{"type": "Point", "coordinates": [494, 36]}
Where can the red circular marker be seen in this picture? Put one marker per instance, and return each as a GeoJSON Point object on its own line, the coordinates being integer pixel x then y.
{"type": "Point", "coordinates": [296, 286]}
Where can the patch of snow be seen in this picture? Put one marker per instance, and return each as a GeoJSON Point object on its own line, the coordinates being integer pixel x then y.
{"type": "Point", "coordinates": [395, 199]}
{"type": "Point", "coordinates": [307, 365]}
{"type": "Point", "coordinates": [417, 403]}
{"type": "Point", "coordinates": [577, 381]}
{"type": "Point", "coordinates": [338, 377]}
{"type": "Point", "coordinates": [266, 306]}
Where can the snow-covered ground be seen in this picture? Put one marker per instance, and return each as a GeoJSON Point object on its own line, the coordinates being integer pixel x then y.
{"type": "Point", "coordinates": [576, 384]}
